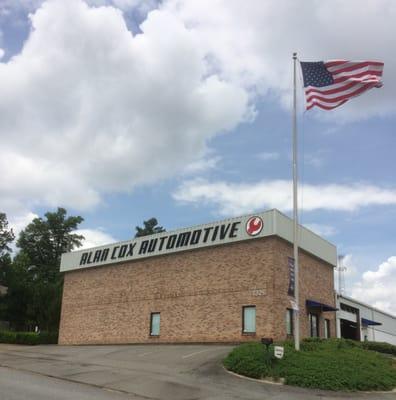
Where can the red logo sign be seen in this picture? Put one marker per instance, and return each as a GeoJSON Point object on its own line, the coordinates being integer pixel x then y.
{"type": "Point", "coordinates": [254, 225]}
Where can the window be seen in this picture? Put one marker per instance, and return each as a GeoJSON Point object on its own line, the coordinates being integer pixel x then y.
{"type": "Point", "coordinates": [326, 328]}
{"type": "Point", "coordinates": [249, 319]}
{"type": "Point", "coordinates": [313, 322]}
{"type": "Point", "coordinates": [155, 321]}
{"type": "Point", "coordinates": [289, 322]}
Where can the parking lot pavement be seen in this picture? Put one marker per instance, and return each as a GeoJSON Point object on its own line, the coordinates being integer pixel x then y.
{"type": "Point", "coordinates": [149, 371]}
{"type": "Point", "coordinates": [19, 385]}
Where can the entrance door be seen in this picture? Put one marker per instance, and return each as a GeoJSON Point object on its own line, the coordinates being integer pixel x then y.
{"type": "Point", "coordinates": [349, 330]}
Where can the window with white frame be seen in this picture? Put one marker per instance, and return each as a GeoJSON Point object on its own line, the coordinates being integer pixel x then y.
{"type": "Point", "coordinates": [249, 319]}
{"type": "Point", "coordinates": [155, 321]}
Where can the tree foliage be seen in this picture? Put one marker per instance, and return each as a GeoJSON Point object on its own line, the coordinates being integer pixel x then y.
{"type": "Point", "coordinates": [149, 228]}
{"type": "Point", "coordinates": [33, 278]}
{"type": "Point", "coordinates": [44, 240]}
{"type": "Point", "coordinates": [6, 235]}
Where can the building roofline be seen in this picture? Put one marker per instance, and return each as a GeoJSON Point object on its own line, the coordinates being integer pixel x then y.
{"type": "Point", "coordinates": [273, 223]}
{"type": "Point", "coordinates": [339, 296]}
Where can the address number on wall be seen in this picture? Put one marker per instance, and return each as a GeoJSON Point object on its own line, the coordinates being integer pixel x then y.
{"type": "Point", "coordinates": [258, 292]}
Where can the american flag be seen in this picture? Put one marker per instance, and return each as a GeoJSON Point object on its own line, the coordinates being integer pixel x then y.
{"type": "Point", "coordinates": [329, 84]}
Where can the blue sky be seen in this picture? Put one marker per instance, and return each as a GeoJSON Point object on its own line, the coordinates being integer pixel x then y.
{"type": "Point", "coordinates": [122, 110]}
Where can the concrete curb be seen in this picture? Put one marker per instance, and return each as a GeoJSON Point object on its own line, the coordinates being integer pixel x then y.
{"type": "Point", "coordinates": [281, 383]}
{"type": "Point", "coordinates": [271, 382]}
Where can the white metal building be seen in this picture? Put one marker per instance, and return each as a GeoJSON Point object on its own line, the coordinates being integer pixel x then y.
{"type": "Point", "coordinates": [360, 321]}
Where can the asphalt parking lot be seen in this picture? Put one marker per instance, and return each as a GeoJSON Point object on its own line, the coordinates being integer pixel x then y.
{"type": "Point", "coordinates": [136, 372]}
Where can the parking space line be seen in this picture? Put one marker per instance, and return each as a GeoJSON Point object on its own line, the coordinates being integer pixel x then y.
{"type": "Point", "coordinates": [195, 353]}
{"type": "Point", "coordinates": [145, 354]}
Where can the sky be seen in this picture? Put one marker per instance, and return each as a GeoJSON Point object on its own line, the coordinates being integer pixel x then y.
{"type": "Point", "coordinates": [123, 110]}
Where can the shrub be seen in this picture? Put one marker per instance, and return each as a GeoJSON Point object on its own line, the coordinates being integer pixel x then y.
{"type": "Point", "coordinates": [7, 337]}
{"type": "Point", "coordinates": [380, 347]}
{"type": "Point", "coordinates": [312, 344]}
{"type": "Point", "coordinates": [249, 359]}
{"type": "Point", "coordinates": [337, 365]}
{"type": "Point", "coordinates": [333, 364]}
{"type": "Point", "coordinates": [28, 338]}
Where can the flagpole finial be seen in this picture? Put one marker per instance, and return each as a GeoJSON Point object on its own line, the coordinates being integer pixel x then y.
{"type": "Point", "coordinates": [294, 56]}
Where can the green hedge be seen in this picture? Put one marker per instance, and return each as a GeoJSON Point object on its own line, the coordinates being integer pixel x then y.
{"type": "Point", "coordinates": [333, 364]}
{"type": "Point", "coordinates": [28, 338]}
{"type": "Point", "coordinates": [249, 359]}
{"type": "Point", "coordinates": [380, 347]}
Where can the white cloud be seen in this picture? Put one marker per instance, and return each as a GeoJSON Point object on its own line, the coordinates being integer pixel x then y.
{"type": "Point", "coordinates": [202, 165]}
{"type": "Point", "coordinates": [350, 265]}
{"type": "Point", "coordinates": [349, 272]}
{"type": "Point", "coordinates": [88, 108]}
{"type": "Point", "coordinates": [315, 160]}
{"type": "Point", "coordinates": [321, 229]}
{"type": "Point", "coordinates": [239, 198]}
{"type": "Point", "coordinates": [378, 287]}
{"type": "Point", "coordinates": [20, 221]}
{"type": "Point", "coordinates": [1, 53]}
{"type": "Point", "coordinates": [268, 156]}
{"type": "Point", "coordinates": [17, 222]}
{"type": "Point", "coordinates": [141, 5]}
{"type": "Point", "coordinates": [253, 45]}
{"type": "Point", "coordinates": [94, 237]}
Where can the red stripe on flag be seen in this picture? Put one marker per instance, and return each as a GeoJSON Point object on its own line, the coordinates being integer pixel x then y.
{"type": "Point", "coordinates": [342, 97]}
{"type": "Point", "coordinates": [359, 75]}
{"type": "Point", "coordinates": [335, 62]}
{"type": "Point", "coordinates": [356, 66]}
{"type": "Point", "coordinates": [325, 107]}
{"type": "Point", "coordinates": [331, 91]}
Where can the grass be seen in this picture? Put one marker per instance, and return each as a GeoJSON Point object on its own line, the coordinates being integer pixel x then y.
{"type": "Point", "coordinates": [334, 364]}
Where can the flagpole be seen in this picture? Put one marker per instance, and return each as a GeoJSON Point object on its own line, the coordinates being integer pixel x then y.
{"type": "Point", "coordinates": [295, 211]}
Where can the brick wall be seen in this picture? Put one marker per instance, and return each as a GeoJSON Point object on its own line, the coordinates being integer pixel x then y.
{"type": "Point", "coordinates": [199, 294]}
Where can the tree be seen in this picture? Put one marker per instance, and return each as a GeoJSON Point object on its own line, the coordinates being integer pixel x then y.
{"type": "Point", "coordinates": [34, 281]}
{"type": "Point", "coordinates": [6, 235]}
{"type": "Point", "coordinates": [150, 227]}
{"type": "Point", "coordinates": [44, 241]}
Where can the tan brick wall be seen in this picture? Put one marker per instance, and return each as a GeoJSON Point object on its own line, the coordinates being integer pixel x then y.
{"type": "Point", "coordinates": [199, 294]}
{"type": "Point", "coordinates": [316, 282]}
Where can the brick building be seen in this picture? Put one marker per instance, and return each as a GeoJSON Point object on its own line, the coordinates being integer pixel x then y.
{"type": "Point", "coordinates": [227, 281]}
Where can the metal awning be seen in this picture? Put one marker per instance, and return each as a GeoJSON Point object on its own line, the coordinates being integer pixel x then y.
{"type": "Point", "coordinates": [369, 322]}
{"type": "Point", "coordinates": [319, 306]}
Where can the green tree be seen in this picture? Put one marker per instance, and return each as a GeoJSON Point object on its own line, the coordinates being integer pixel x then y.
{"type": "Point", "coordinates": [150, 227]}
{"type": "Point", "coordinates": [44, 240]}
{"type": "Point", "coordinates": [34, 281]}
{"type": "Point", "coordinates": [6, 235]}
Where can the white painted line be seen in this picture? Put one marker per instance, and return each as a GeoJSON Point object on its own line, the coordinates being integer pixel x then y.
{"type": "Point", "coordinates": [145, 354]}
{"type": "Point", "coordinates": [197, 352]}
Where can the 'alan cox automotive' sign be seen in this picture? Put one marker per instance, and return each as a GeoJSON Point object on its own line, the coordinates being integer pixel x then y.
{"type": "Point", "coordinates": [168, 242]}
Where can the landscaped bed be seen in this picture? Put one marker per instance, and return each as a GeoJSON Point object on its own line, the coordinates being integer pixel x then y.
{"type": "Point", "coordinates": [28, 338]}
{"type": "Point", "coordinates": [332, 364]}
